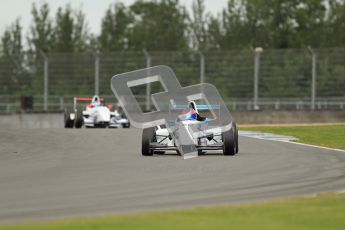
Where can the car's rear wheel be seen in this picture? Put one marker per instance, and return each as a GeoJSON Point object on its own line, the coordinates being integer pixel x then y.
{"type": "Point", "coordinates": [229, 142]}
{"type": "Point", "coordinates": [147, 138]}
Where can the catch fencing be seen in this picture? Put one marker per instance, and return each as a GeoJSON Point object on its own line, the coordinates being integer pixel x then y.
{"type": "Point", "coordinates": [289, 79]}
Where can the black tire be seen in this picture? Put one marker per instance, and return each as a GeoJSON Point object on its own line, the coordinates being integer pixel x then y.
{"type": "Point", "coordinates": [67, 119]}
{"type": "Point", "coordinates": [236, 138]}
{"type": "Point", "coordinates": [126, 126]}
{"type": "Point", "coordinates": [147, 138]}
{"type": "Point", "coordinates": [79, 120]}
{"type": "Point", "coordinates": [160, 152]}
{"type": "Point", "coordinates": [229, 142]}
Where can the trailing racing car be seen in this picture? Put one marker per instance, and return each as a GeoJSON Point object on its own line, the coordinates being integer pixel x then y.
{"type": "Point", "coordinates": [94, 115]}
{"type": "Point", "coordinates": [159, 140]}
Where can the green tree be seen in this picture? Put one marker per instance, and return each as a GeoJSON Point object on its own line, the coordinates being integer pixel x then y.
{"type": "Point", "coordinates": [13, 75]}
{"type": "Point", "coordinates": [41, 30]}
{"type": "Point", "coordinates": [69, 63]}
{"type": "Point", "coordinates": [252, 23]}
{"type": "Point", "coordinates": [274, 23]}
{"type": "Point", "coordinates": [70, 31]}
{"type": "Point", "coordinates": [310, 18]}
{"type": "Point", "coordinates": [335, 25]}
{"type": "Point", "coordinates": [159, 25]}
{"type": "Point", "coordinates": [234, 23]}
{"type": "Point", "coordinates": [214, 34]}
{"type": "Point", "coordinates": [278, 22]}
{"type": "Point", "coordinates": [199, 26]}
{"type": "Point", "coordinates": [11, 40]}
{"type": "Point", "coordinates": [114, 29]}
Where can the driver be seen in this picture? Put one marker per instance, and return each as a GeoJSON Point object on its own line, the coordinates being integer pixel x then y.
{"type": "Point", "coordinates": [191, 113]}
{"type": "Point", "coordinates": [95, 101]}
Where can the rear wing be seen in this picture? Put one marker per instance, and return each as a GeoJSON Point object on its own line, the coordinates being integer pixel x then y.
{"type": "Point", "coordinates": [84, 99]}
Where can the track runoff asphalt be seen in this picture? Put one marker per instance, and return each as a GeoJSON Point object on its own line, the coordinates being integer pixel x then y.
{"type": "Point", "coordinates": [59, 173]}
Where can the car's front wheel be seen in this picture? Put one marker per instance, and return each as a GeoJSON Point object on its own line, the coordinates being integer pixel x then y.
{"type": "Point", "coordinates": [236, 138]}
{"type": "Point", "coordinates": [67, 118]}
{"type": "Point", "coordinates": [146, 140]}
{"type": "Point", "coordinates": [229, 142]}
{"type": "Point", "coordinates": [79, 120]}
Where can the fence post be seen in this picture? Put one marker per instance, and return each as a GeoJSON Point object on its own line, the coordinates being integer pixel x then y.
{"type": "Point", "coordinates": [257, 55]}
{"type": "Point", "coordinates": [148, 85]}
{"type": "Point", "coordinates": [96, 73]}
{"type": "Point", "coordinates": [96, 56]}
{"type": "Point", "coordinates": [313, 77]}
{"type": "Point", "coordinates": [45, 80]}
{"type": "Point", "coordinates": [202, 68]}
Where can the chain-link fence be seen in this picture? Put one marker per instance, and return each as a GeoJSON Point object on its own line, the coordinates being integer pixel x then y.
{"type": "Point", "coordinates": [247, 80]}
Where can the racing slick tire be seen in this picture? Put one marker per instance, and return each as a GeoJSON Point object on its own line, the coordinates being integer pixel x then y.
{"type": "Point", "coordinates": [160, 152]}
{"type": "Point", "coordinates": [147, 138]}
{"type": "Point", "coordinates": [236, 138]}
{"type": "Point", "coordinates": [200, 152]}
{"type": "Point", "coordinates": [229, 142]}
{"type": "Point", "coordinates": [67, 118]}
{"type": "Point", "coordinates": [126, 125]}
{"type": "Point", "coordinates": [79, 120]}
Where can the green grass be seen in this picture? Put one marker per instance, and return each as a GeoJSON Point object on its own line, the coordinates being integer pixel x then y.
{"type": "Point", "coordinates": [325, 212]}
{"type": "Point", "coordinates": [323, 135]}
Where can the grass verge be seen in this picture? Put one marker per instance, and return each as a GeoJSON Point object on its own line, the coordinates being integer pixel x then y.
{"type": "Point", "coordinates": [324, 212]}
{"type": "Point", "coordinates": [332, 136]}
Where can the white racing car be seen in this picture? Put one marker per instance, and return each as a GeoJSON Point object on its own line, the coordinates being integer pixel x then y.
{"type": "Point", "coordinates": [159, 140]}
{"type": "Point", "coordinates": [95, 115]}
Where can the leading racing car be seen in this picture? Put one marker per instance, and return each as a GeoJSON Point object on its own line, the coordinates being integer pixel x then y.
{"type": "Point", "coordinates": [95, 115]}
{"type": "Point", "coordinates": [159, 140]}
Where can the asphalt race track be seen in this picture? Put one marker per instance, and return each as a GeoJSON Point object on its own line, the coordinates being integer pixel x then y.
{"type": "Point", "coordinates": [57, 173]}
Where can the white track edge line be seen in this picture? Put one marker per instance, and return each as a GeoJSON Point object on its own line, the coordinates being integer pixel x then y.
{"type": "Point", "coordinates": [298, 143]}
{"type": "Point", "coordinates": [314, 146]}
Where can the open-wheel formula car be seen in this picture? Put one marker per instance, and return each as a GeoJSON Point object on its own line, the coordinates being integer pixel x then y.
{"type": "Point", "coordinates": [95, 114]}
{"type": "Point", "coordinates": [159, 140]}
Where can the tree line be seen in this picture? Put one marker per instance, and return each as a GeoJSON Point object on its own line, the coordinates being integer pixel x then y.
{"type": "Point", "coordinates": [166, 25]}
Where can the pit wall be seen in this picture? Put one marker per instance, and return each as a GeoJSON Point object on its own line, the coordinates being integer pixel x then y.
{"type": "Point", "coordinates": [258, 117]}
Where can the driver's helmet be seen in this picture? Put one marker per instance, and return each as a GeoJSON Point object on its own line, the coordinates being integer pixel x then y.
{"type": "Point", "coordinates": [119, 108]}
{"type": "Point", "coordinates": [96, 101]}
{"type": "Point", "coordinates": [190, 113]}
{"type": "Point", "coordinates": [192, 105]}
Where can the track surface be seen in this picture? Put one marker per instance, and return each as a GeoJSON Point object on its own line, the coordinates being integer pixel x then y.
{"type": "Point", "coordinates": [57, 173]}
